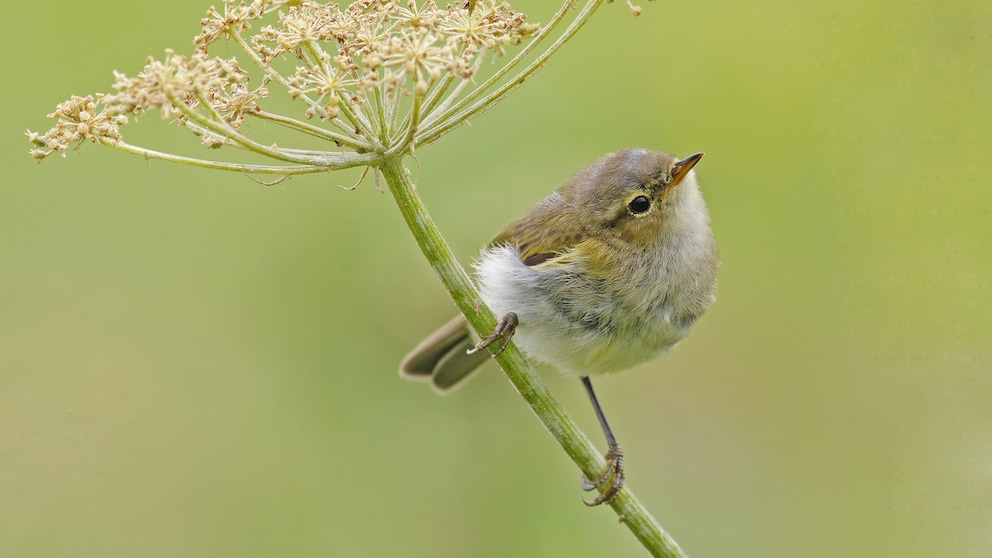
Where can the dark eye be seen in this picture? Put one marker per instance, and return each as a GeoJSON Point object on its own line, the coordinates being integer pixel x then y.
{"type": "Point", "coordinates": [639, 205]}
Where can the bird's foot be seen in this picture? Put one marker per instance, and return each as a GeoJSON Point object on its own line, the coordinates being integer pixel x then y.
{"type": "Point", "coordinates": [505, 328]}
{"type": "Point", "coordinates": [612, 474]}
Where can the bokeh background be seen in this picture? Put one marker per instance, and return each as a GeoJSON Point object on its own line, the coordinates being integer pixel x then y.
{"type": "Point", "coordinates": [194, 364]}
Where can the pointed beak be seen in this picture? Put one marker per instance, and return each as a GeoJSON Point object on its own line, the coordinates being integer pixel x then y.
{"type": "Point", "coordinates": [682, 168]}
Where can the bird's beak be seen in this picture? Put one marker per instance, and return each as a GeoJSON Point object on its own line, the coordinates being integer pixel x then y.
{"type": "Point", "coordinates": [682, 168]}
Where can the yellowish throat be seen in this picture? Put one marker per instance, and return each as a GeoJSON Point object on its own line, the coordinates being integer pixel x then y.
{"type": "Point", "coordinates": [610, 270]}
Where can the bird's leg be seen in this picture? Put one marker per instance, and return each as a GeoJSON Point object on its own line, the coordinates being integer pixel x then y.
{"type": "Point", "coordinates": [613, 473]}
{"type": "Point", "coordinates": [505, 328]}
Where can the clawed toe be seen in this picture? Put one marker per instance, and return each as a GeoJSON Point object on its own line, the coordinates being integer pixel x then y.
{"type": "Point", "coordinates": [612, 474]}
{"type": "Point", "coordinates": [505, 328]}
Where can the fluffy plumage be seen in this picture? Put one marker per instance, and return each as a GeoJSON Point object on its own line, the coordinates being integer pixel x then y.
{"type": "Point", "coordinates": [608, 271]}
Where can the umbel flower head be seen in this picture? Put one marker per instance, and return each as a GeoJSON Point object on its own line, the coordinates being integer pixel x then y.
{"type": "Point", "coordinates": [375, 77]}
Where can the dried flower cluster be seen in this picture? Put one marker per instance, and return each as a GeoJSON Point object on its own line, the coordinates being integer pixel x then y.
{"type": "Point", "coordinates": [78, 119]}
{"type": "Point", "coordinates": [373, 72]}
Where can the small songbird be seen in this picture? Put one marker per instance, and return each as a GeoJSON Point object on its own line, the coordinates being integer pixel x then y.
{"type": "Point", "coordinates": [609, 271]}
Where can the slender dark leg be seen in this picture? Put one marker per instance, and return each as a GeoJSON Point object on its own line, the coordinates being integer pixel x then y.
{"type": "Point", "coordinates": [614, 458]}
{"type": "Point", "coordinates": [505, 328]}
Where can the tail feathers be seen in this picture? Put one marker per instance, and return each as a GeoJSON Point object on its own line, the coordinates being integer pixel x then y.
{"type": "Point", "coordinates": [442, 357]}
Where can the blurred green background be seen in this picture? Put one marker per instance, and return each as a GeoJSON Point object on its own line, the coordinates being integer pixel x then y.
{"type": "Point", "coordinates": [193, 364]}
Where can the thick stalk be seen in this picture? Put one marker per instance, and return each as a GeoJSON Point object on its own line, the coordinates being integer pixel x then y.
{"type": "Point", "coordinates": [547, 408]}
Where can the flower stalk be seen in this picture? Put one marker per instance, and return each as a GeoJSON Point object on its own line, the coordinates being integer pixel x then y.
{"type": "Point", "coordinates": [377, 79]}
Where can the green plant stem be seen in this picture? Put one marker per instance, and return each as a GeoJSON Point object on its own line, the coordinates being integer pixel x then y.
{"type": "Point", "coordinates": [547, 408]}
{"type": "Point", "coordinates": [347, 161]}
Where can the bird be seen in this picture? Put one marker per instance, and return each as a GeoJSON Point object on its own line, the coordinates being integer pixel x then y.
{"type": "Point", "coordinates": [607, 272]}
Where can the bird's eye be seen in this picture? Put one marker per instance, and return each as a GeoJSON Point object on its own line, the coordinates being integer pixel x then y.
{"type": "Point", "coordinates": [639, 205]}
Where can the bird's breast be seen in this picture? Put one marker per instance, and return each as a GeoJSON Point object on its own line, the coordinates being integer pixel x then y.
{"type": "Point", "coordinates": [585, 312]}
